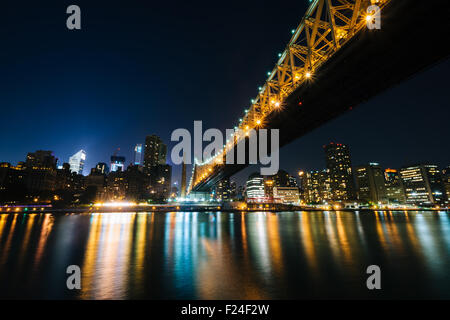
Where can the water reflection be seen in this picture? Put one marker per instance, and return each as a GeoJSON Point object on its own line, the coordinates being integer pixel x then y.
{"type": "Point", "coordinates": [218, 255]}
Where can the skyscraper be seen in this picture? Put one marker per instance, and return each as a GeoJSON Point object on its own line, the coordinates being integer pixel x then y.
{"type": "Point", "coordinates": [255, 188]}
{"type": "Point", "coordinates": [423, 184]}
{"type": "Point", "coordinates": [370, 183]}
{"type": "Point", "coordinates": [155, 151]}
{"type": "Point", "coordinates": [339, 167]}
{"type": "Point", "coordinates": [394, 187]}
{"type": "Point", "coordinates": [138, 154]}
{"type": "Point", "coordinates": [76, 162]}
{"type": "Point", "coordinates": [317, 187]}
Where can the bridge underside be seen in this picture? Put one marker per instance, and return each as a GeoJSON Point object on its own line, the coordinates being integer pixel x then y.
{"type": "Point", "coordinates": [413, 36]}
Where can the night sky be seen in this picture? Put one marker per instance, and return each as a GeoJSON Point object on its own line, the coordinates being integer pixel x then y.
{"type": "Point", "coordinates": [150, 67]}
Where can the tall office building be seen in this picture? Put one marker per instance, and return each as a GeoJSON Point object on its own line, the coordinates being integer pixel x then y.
{"type": "Point", "coordinates": [117, 163]}
{"type": "Point", "coordinates": [423, 184]}
{"type": "Point", "coordinates": [76, 162]}
{"type": "Point", "coordinates": [394, 187]}
{"type": "Point", "coordinates": [138, 154]}
{"type": "Point", "coordinates": [316, 186]}
{"type": "Point", "coordinates": [339, 167]}
{"type": "Point", "coordinates": [155, 151]}
{"type": "Point", "coordinates": [370, 183]}
{"type": "Point", "coordinates": [255, 188]}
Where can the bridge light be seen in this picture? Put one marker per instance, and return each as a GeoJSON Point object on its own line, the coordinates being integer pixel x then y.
{"type": "Point", "coordinates": [269, 73]}
{"type": "Point", "coordinates": [293, 31]}
{"type": "Point", "coordinates": [275, 103]}
{"type": "Point", "coordinates": [308, 74]}
{"type": "Point", "coordinates": [258, 121]}
{"type": "Point", "coordinates": [246, 110]}
{"type": "Point", "coordinates": [369, 18]}
{"type": "Point", "coordinates": [246, 127]}
{"type": "Point", "coordinates": [279, 55]}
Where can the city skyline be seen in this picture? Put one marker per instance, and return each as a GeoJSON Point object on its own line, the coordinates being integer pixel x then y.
{"type": "Point", "coordinates": [423, 184]}
{"type": "Point", "coordinates": [310, 157]}
{"type": "Point", "coordinates": [149, 91]}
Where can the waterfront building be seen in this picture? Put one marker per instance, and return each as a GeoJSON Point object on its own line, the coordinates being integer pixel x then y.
{"type": "Point", "coordinates": [40, 172]}
{"type": "Point", "coordinates": [268, 188]}
{"type": "Point", "coordinates": [116, 186]}
{"type": "Point", "coordinates": [134, 183]}
{"type": "Point", "coordinates": [370, 184]}
{"type": "Point", "coordinates": [155, 152]}
{"type": "Point", "coordinates": [255, 188]}
{"type": "Point", "coordinates": [423, 184]}
{"type": "Point", "coordinates": [160, 181]}
{"type": "Point", "coordinates": [286, 195]}
{"type": "Point", "coordinates": [12, 183]}
{"type": "Point", "coordinates": [394, 187]}
{"type": "Point", "coordinates": [96, 181]}
{"type": "Point", "coordinates": [316, 187]}
{"type": "Point", "coordinates": [339, 167]}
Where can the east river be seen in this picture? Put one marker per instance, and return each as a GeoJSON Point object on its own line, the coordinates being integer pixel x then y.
{"type": "Point", "coordinates": [222, 255]}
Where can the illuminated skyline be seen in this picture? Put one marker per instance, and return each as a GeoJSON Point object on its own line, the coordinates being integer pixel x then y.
{"type": "Point", "coordinates": [110, 69]}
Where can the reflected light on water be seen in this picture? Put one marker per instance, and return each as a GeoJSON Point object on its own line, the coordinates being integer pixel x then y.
{"type": "Point", "coordinates": [219, 255]}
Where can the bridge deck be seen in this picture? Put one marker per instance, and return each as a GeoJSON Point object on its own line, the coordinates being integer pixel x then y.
{"type": "Point", "coordinates": [412, 37]}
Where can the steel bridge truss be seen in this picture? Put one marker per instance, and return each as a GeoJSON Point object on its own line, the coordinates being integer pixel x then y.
{"type": "Point", "coordinates": [325, 28]}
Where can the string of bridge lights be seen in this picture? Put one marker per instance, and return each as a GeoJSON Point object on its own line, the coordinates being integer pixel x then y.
{"type": "Point", "coordinates": [298, 78]}
{"type": "Point", "coordinates": [275, 103]}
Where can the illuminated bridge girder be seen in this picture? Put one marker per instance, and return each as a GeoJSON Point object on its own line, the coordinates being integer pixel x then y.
{"type": "Point", "coordinates": [332, 64]}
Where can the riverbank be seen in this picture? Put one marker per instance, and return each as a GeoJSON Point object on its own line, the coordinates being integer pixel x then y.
{"type": "Point", "coordinates": [191, 208]}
